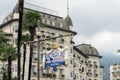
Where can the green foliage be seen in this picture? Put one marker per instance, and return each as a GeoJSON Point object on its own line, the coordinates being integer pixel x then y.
{"type": "Point", "coordinates": [25, 38]}
{"type": "Point", "coordinates": [6, 50]}
{"type": "Point", "coordinates": [31, 19]}
{"type": "Point", "coordinates": [15, 78]}
{"type": "Point", "coordinates": [3, 39]}
{"type": "Point", "coordinates": [10, 51]}
{"type": "Point", "coordinates": [3, 72]}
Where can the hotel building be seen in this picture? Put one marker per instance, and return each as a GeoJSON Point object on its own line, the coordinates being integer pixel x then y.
{"type": "Point", "coordinates": [81, 62]}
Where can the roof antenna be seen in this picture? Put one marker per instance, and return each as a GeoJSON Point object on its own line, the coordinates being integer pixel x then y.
{"type": "Point", "coordinates": [67, 7]}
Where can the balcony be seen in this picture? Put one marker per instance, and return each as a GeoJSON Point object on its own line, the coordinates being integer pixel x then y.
{"type": "Point", "coordinates": [62, 76]}
{"type": "Point", "coordinates": [89, 74]}
{"type": "Point", "coordinates": [35, 59]}
{"type": "Point", "coordinates": [95, 66]}
{"type": "Point", "coordinates": [34, 74]}
{"type": "Point", "coordinates": [89, 65]}
{"type": "Point", "coordinates": [95, 75]}
{"type": "Point", "coordinates": [50, 75]}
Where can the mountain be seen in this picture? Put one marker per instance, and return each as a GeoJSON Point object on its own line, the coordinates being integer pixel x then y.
{"type": "Point", "coordinates": [107, 60]}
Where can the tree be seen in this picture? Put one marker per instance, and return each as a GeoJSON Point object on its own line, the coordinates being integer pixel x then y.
{"type": "Point", "coordinates": [14, 78]}
{"type": "Point", "coordinates": [3, 41]}
{"type": "Point", "coordinates": [7, 53]}
{"type": "Point", "coordinates": [4, 74]}
{"type": "Point", "coordinates": [31, 20]}
{"type": "Point", "coordinates": [10, 55]}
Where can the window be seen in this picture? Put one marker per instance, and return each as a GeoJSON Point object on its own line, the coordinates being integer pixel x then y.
{"type": "Point", "coordinates": [52, 34]}
{"type": "Point", "coordinates": [71, 74]}
{"type": "Point", "coordinates": [71, 61]}
{"type": "Point", "coordinates": [53, 23]}
{"type": "Point", "coordinates": [41, 57]}
{"type": "Point", "coordinates": [16, 40]}
{"type": "Point", "coordinates": [89, 72]}
{"type": "Point", "coordinates": [74, 65]}
{"type": "Point", "coordinates": [33, 68]}
{"type": "Point", "coordinates": [33, 56]}
{"type": "Point", "coordinates": [48, 33]}
{"type": "Point", "coordinates": [75, 76]}
{"type": "Point", "coordinates": [41, 70]}
{"type": "Point", "coordinates": [15, 67]}
{"type": "Point", "coordinates": [61, 71]}
{"type": "Point", "coordinates": [43, 20]}
{"type": "Point", "coordinates": [71, 50]}
{"type": "Point", "coordinates": [47, 70]}
{"type": "Point", "coordinates": [95, 63]}
{"type": "Point", "coordinates": [48, 21]}
{"type": "Point", "coordinates": [82, 69]}
{"type": "Point", "coordinates": [42, 32]}
{"type": "Point", "coordinates": [61, 25]}
{"type": "Point", "coordinates": [16, 28]}
{"type": "Point", "coordinates": [95, 71]}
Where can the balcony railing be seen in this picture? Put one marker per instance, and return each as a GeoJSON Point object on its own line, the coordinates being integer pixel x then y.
{"type": "Point", "coordinates": [41, 9]}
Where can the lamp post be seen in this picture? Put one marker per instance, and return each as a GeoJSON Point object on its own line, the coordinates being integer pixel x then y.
{"type": "Point", "coordinates": [24, 59]}
{"type": "Point", "coordinates": [39, 56]}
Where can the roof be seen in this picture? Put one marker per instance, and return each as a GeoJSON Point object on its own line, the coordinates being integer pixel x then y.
{"type": "Point", "coordinates": [13, 20]}
{"type": "Point", "coordinates": [8, 22]}
{"type": "Point", "coordinates": [88, 50]}
{"type": "Point", "coordinates": [68, 21]}
{"type": "Point", "coordinates": [80, 52]}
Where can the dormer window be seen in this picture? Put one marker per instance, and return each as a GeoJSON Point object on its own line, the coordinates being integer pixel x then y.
{"type": "Point", "coordinates": [43, 20]}
{"type": "Point", "coordinates": [16, 28]}
{"type": "Point", "coordinates": [53, 23]}
{"type": "Point", "coordinates": [61, 25]}
{"type": "Point", "coordinates": [48, 22]}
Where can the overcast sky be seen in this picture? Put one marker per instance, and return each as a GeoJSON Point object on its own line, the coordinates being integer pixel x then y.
{"type": "Point", "coordinates": [96, 21]}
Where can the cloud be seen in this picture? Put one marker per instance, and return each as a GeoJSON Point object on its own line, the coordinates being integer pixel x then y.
{"type": "Point", "coordinates": [102, 15]}
{"type": "Point", "coordinates": [105, 41]}
{"type": "Point", "coordinates": [6, 7]}
{"type": "Point", "coordinates": [95, 21]}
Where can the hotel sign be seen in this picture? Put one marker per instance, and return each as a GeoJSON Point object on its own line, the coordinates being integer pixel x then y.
{"type": "Point", "coordinates": [55, 58]}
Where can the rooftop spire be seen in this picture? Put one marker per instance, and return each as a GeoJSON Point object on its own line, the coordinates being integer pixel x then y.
{"type": "Point", "coordinates": [67, 7]}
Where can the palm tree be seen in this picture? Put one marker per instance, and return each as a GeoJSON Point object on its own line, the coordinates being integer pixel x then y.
{"type": "Point", "coordinates": [3, 41]}
{"type": "Point", "coordinates": [25, 38]}
{"type": "Point", "coordinates": [4, 74]}
{"type": "Point", "coordinates": [31, 20]}
{"type": "Point", "coordinates": [10, 55]}
{"type": "Point", "coordinates": [7, 53]}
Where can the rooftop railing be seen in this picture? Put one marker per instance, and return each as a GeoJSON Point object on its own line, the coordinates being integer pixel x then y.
{"type": "Point", "coordinates": [41, 9]}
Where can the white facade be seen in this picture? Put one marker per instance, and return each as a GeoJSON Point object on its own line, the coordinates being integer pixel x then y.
{"type": "Point", "coordinates": [56, 26]}
{"type": "Point", "coordinates": [115, 72]}
{"type": "Point", "coordinates": [78, 66]}
{"type": "Point", "coordinates": [87, 65]}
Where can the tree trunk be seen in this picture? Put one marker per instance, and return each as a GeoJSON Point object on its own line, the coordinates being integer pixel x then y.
{"type": "Point", "coordinates": [20, 9]}
{"type": "Point", "coordinates": [32, 33]}
{"type": "Point", "coordinates": [24, 59]}
{"type": "Point", "coordinates": [4, 77]}
{"type": "Point", "coordinates": [9, 67]}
